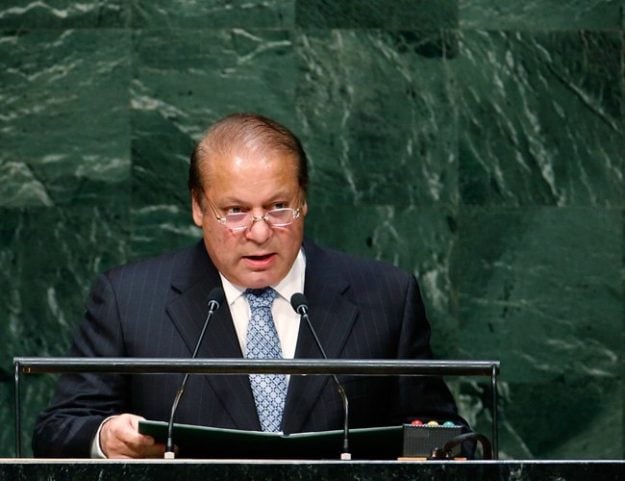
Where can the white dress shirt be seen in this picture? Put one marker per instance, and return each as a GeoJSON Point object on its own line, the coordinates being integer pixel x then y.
{"type": "Point", "coordinates": [284, 317]}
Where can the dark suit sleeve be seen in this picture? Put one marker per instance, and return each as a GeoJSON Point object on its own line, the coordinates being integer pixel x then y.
{"type": "Point", "coordinates": [82, 401]}
{"type": "Point", "coordinates": [426, 398]}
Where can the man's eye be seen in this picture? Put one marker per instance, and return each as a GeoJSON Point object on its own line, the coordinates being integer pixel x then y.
{"type": "Point", "coordinates": [279, 205]}
{"type": "Point", "coordinates": [234, 210]}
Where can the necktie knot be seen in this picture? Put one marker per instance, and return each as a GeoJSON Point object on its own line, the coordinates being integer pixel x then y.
{"type": "Point", "coordinates": [260, 298]}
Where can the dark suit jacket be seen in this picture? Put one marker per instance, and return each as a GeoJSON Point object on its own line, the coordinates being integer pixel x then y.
{"type": "Point", "coordinates": [361, 309]}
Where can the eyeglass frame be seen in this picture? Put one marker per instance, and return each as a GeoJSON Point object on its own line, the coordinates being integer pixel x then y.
{"type": "Point", "coordinates": [222, 219]}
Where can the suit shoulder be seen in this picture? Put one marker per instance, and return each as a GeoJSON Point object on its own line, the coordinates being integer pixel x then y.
{"type": "Point", "coordinates": [157, 266]}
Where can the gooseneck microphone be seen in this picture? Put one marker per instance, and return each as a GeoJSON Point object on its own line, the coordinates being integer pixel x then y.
{"type": "Point", "coordinates": [300, 305]}
{"type": "Point", "coordinates": [215, 298]}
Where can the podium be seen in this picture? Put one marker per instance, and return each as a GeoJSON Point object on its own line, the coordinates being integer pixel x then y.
{"type": "Point", "coordinates": [382, 367]}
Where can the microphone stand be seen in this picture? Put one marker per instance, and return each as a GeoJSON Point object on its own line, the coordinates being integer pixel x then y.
{"type": "Point", "coordinates": [216, 297]}
{"type": "Point", "coordinates": [298, 301]}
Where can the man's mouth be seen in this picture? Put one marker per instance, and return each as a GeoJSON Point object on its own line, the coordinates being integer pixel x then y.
{"type": "Point", "coordinates": [259, 258]}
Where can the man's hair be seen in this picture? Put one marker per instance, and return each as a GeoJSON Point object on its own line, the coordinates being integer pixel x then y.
{"type": "Point", "coordinates": [246, 131]}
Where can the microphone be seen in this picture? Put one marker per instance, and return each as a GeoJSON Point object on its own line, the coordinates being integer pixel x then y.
{"type": "Point", "coordinates": [300, 305]}
{"type": "Point", "coordinates": [215, 298]}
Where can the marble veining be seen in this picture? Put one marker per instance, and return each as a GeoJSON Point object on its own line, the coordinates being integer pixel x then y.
{"type": "Point", "coordinates": [476, 143]}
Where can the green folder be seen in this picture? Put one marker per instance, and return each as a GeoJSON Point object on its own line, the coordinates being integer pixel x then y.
{"type": "Point", "coordinates": [206, 442]}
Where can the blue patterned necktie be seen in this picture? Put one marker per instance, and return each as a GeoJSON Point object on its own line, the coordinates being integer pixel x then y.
{"type": "Point", "coordinates": [263, 343]}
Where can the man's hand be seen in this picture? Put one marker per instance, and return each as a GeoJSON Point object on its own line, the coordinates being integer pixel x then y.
{"type": "Point", "coordinates": [120, 438]}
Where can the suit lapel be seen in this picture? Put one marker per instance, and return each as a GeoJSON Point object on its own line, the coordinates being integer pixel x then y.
{"type": "Point", "coordinates": [187, 310]}
{"type": "Point", "coordinates": [333, 317]}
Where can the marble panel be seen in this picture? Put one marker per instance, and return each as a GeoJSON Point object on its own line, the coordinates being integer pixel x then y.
{"type": "Point", "coordinates": [213, 13]}
{"type": "Point", "coordinates": [547, 287]}
{"type": "Point", "coordinates": [558, 419]}
{"type": "Point", "coordinates": [541, 290]}
{"type": "Point", "coordinates": [49, 259]}
{"type": "Point", "coordinates": [28, 14]}
{"type": "Point", "coordinates": [478, 144]}
{"type": "Point", "coordinates": [563, 419]}
{"type": "Point", "coordinates": [377, 113]}
{"type": "Point", "coordinates": [541, 118]}
{"type": "Point", "coordinates": [192, 77]}
{"type": "Point", "coordinates": [541, 14]}
{"type": "Point", "coordinates": [398, 14]}
{"type": "Point", "coordinates": [161, 228]}
{"type": "Point", "coordinates": [160, 212]}
{"type": "Point", "coordinates": [64, 122]}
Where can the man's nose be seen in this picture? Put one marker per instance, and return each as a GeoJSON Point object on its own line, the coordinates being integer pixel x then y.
{"type": "Point", "coordinates": [260, 230]}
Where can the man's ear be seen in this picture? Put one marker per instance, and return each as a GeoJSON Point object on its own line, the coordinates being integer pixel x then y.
{"type": "Point", "coordinates": [197, 209]}
{"type": "Point", "coordinates": [304, 208]}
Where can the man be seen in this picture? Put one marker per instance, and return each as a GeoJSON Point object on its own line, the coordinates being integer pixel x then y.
{"type": "Point", "coordinates": [248, 180]}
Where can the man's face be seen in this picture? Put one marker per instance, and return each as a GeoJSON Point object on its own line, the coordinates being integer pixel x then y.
{"type": "Point", "coordinates": [250, 182]}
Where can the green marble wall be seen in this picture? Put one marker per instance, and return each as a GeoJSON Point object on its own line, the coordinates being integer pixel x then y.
{"type": "Point", "coordinates": [478, 143]}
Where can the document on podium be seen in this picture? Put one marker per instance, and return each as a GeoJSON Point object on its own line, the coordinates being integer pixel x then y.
{"type": "Point", "coordinates": [206, 442]}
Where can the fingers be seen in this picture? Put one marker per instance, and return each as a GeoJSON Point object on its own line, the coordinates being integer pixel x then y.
{"type": "Point", "coordinates": [120, 438]}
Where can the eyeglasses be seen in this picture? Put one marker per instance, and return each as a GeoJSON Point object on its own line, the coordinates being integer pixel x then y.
{"type": "Point", "coordinates": [242, 221]}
